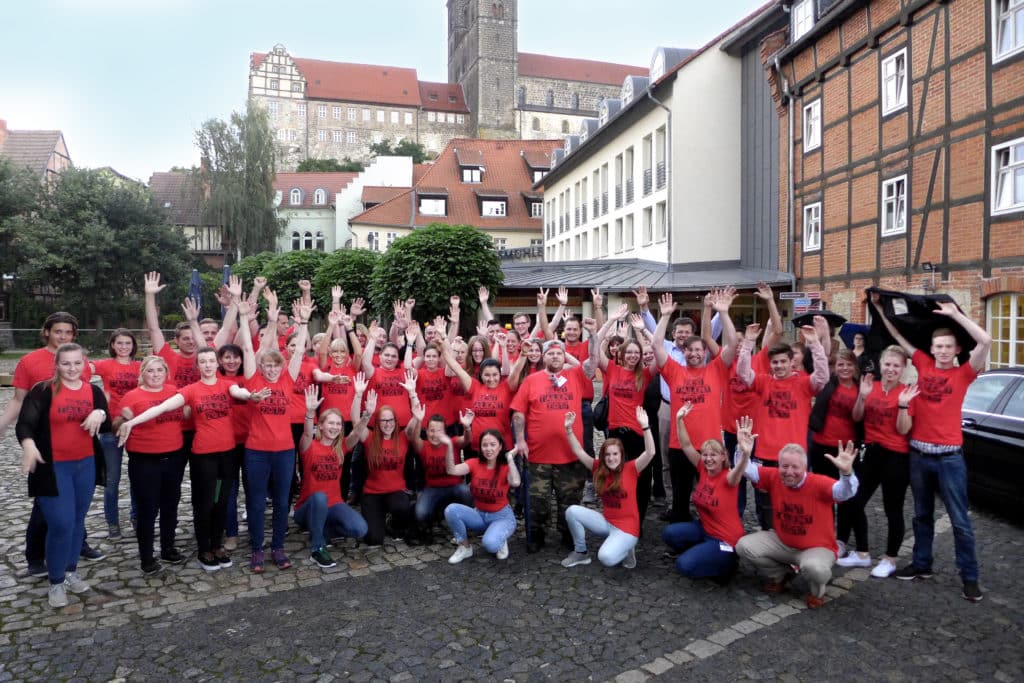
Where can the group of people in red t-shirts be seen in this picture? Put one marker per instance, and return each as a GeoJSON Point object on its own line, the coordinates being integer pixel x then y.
{"type": "Point", "coordinates": [394, 421]}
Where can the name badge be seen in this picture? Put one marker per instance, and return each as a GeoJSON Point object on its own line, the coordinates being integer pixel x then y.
{"type": "Point", "coordinates": [725, 547]}
{"type": "Point", "coordinates": [561, 382]}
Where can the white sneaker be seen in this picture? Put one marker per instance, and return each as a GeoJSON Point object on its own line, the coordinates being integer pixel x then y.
{"type": "Point", "coordinates": [630, 561]}
{"type": "Point", "coordinates": [74, 583]}
{"type": "Point", "coordinates": [502, 553]}
{"type": "Point", "coordinates": [884, 569]}
{"type": "Point", "coordinates": [58, 596]}
{"type": "Point", "coordinates": [461, 553]}
{"type": "Point", "coordinates": [854, 559]}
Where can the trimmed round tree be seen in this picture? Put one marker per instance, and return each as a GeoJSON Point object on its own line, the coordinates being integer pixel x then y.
{"type": "Point", "coordinates": [351, 269]}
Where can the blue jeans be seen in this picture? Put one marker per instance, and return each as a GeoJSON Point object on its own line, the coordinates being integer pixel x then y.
{"type": "Point", "coordinates": [65, 515]}
{"type": "Point", "coordinates": [497, 526]}
{"type": "Point", "coordinates": [112, 454]}
{"type": "Point", "coordinates": [324, 522]}
{"type": "Point", "coordinates": [702, 556]}
{"type": "Point", "coordinates": [262, 467]}
{"type": "Point", "coordinates": [617, 542]}
{"type": "Point", "coordinates": [431, 497]}
{"type": "Point", "coordinates": [946, 475]}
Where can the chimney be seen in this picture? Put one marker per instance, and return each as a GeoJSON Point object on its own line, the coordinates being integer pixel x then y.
{"type": "Point", "coordinates": [3, 132]}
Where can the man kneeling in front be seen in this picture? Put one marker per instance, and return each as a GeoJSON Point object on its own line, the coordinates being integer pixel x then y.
{"type": "Point", "coordinates": [804, 528]}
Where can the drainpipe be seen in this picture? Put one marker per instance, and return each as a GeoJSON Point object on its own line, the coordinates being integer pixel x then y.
{"type": "Point", "coordinates": [790, 259]}
{"type": "Point", "coordinates": [668, 176]}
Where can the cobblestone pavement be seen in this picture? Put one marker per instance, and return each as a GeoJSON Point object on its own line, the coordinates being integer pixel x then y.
{"type": "Point", "coordinates": [400, 613]}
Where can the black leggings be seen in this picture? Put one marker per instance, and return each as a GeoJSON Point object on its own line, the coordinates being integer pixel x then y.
{"type": "Point", "coordinates": [890, 469]}
{"type": "Point", "coordinates": [682, 472]}
{"type": "Point", "coordinates": [633, 446]}
{"type": "Point", "coordinates": [213, 475]}
{"type": "Point", "coordinates": [375, 508]}
{"type": "Point", "coordinates": [155, 480]}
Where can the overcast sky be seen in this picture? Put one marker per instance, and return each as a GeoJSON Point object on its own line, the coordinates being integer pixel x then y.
{"type": "Point", "coordinates": [129, 81]}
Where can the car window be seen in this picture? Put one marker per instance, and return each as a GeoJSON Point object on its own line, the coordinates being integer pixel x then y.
{"type": "Point", "coordinates": [1015, 406]}
{"type": "Point", "coordinates": [984, 390]}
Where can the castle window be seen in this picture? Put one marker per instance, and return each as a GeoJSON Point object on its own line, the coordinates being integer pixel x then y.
{"type": "Point", "coordinates": [536, 123]}
{"type": "Point", "coordinates": [336, 113]}
{"type": "Point", "coordinates": [295, 197]}
{"type": "Point", "coordinates": [452, 99]}
{"type": "Point", "coordinates": [272, 108]}
{"type": "Point", "coordinates": [296, 86]}
{"type": "Point", "coordinates": [319, 197]}
{"type": "Point", "coordinates": [335, 136]}
{"type": "Point", "coordinates": [565, 126]}
{"type": "Point", "coordinates": [275, 84]}
{"type": "Point", "coordinates": [321, 111]}
{"type": "Point", "coordinates": [431, 116]}
{"type": "Point", "coordinates": [300, 110]}
{"type": "Point", "coordinates": [352, 113]}
{"type": "Point", "coordinates": [408, 118]}
{"type": "Point", "coordinates": [451, 118]}
{"type": "Point", "coordinates": [350, 137]}
{"type": "Point", "coordinates": [366, 114]}
{"type": "Point", "coordinates": [321, 135]}
{"type": "Point", "coordinates": [380, 116]}
{"type": "Point", "coordinates": [460, 118]}
{"type": "Point", "coordinates": [319, 240]}
{"type": "Point", "coordinates": [307, 241]}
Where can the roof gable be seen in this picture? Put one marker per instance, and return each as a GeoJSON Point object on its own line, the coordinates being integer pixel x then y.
{"type": "Point", "coordinates": [568, 69]}
{"type": "Point", "coordinates": [32, 149]}
{"type": "Point", "coordinates": [179, 195]}
{"type": "Point", "coordinates": [308, 184]}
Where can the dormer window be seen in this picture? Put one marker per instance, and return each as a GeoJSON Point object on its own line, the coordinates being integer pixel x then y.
{"type": "Point", "coordinates": [433, 97]}
{"type": "Point", "coordinates": [803, 18]}
{"type": "Point", "coordinates": [295, 197]}
{"type": "Point", "coordinates": [471, 175]}
{"type": "Point", "coordinates": [452, 99]}
{"type": "Point", "coordinates": [493, 208]}
{"type": "Point", "coordinates": [627, 91]}
{"type": "Point", "coordinates": [319, 197]}
{"type": "Point", "coordinates": [433, 201]}
{"type": "Point", "coordinates": [538, 176]}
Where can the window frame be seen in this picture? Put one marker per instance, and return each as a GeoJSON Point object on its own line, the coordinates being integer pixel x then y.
{"type": "Point", "coordinates": [295, 197]}
{"type": "Point", "coordinates": [499, 208]}
{"type": "Point", "coordinates": [997, 24]}
{"type": "Point", "coordinates": [812, 245]}
{"type": "Point", "coordinates": [799, 19]}
{"type": "Point", "coordinates": [319, 197]}
{"type": "Point", "coordinates": [321, 111]}
{"type": "Point", "coordinates": [1010, 169]}
{"type": "Point", "coordinates": [883, 80]}
{"type": "Point", "coordinates": [812, 142]}
{"type": "Point", "coordinates": [883, 229]}
{"type": "Point", "coordinates": [1014, 342]}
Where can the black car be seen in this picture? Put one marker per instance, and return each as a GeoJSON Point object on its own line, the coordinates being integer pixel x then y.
{"type": "Point", "coordinates": [993, 428]}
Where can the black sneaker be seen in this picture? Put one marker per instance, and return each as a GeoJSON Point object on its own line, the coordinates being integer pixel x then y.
{"type": "Point", "coordinates": [223, 559]}
{"type": "Point", "coordinates": [911, 572]}
{"type": "Point", "coordinates": [150, 566]}
{"type": "Point", "coordinates": [37, 569]}
{"type": "Point", "coordinates": [208, 562]}
{"type": "Point", "coordinates": [172, 556]}
{"type": "Point", "coordinates": [972, 592]}
{"type": "Point", "coordinates": [322, 558]}
{"type": "Point", "coordinates": [90, 554]}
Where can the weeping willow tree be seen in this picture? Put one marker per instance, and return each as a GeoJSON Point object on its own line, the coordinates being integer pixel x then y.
{"type": "Point", "coordinates": [239, 159]}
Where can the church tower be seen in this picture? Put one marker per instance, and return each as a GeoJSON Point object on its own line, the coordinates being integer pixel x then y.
{"type": "Point", "coordinates": [483, 58]}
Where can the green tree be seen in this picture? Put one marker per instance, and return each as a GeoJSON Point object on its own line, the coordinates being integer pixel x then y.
{"type": "Point", "coordinates": [90, 243]}
{"type": "Point", "coordinates": [239, 164]}
{"type": "Point", "coordinates": [433, 263]}
{"type": "Point", "coordinates": [351, 269]}
{"type": "Point", "coordinates": [20, 193]}
{"type": "Point", "coordinates": [328, 166]}
{"type": "Point", "coordinates": [405, 148]}
{"type": "Point", "coordinates": [283, 272]}
{"type": "Point", "coordinates": [251, 266]}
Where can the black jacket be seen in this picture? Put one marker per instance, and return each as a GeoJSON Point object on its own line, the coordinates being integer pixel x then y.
{"type": "Point", "coordinates": [34, 423]}
{"type": "Point", "coordinates": [913, 316]}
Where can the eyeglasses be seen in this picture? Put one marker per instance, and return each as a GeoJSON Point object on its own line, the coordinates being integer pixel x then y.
{"type": "Point", "coordinates": [386, 420]}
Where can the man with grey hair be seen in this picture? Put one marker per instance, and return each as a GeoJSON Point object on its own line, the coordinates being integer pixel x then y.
{"type": "Point", "coordinates": [803, 533]}
{"type": "Point", "coordinates": [538, 424]}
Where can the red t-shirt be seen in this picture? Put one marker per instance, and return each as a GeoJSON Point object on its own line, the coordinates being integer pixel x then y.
{"type": "Point", "coordinates": [624, 396]}
{"type": "Point", "coordinates": [783, 413]}
{"type": "Point", "coordinates": [620, 509]}
{"type": "Point", "coordinates": [211, 406]}
{"type": "Point", "coordinates": [270, 425]}
{"type": "Point", "coordinates": [703, 387]}
{"type": "Point", "coordinates": [69, 408]}
{"type": "Point", "coordinates": [434, 466]}
{"type": "Point", "coordinates": [339, 395]}
{"type": "Point", "coordinates": [118, 380]}
{"type": "Point", "coordinates": [239, 411]}
{"type": "Point", "coordinates": [390, 392]}
{"type": "Point", "coordinates": [321, 473]}
{"type": "Point", "coordinates": [434, 391]}
{"type": "Point", "coordinates": [881, 410]}
{"type": "Point", "coordinates": [491, 410]}
{"type": "Point", "coordinates": [39, 366]}
{"type": "Point", "coordinates": [388, 475]}
{"type": "Point", "coordinates": [839, 424]}
{"type": "Point", "coordinates": [739, 398]}
{"type": "Point", "coordinates": [181, 372]}
{"type": "Point", "coordinates": [716, 503]}
{"type": "Point", "coordinates": [581, 351]}
{"type": "Point", "coordinates": [803, 516]}
{"type": "Point", "coordinates": [545, 406]}
{"type": "Point", "coordinates": [297, 405]}
{"type": "Point", "coordinates": [489, 487]}
{"type": "Point", "coordinates": [162, 434]}
{"type": "Point", "coordinates": [936, 410]}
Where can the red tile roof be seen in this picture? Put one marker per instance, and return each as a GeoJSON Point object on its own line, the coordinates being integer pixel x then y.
{"type": "Point", "coordinates": [585, 70]}
{"type": "Point", "coordinates": [419, 170]}
{"type": "Point", "coordinates": [179, 195]}
{"type": "Point", "coordinates": [442, 97]}
{"type": "Point", "coordinates": [506, 174]}
{"type": "Point", "coordinates": [378, 194]}
{"type": "Point", "coordinates": [309, 183]}
{"type": "Point", "coordinates": [30, 149]}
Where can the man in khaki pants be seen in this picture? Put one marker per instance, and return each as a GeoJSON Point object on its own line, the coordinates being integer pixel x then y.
{"type": "Point", "coordinates": [804, 528]}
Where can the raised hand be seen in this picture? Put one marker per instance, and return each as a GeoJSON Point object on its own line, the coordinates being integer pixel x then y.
{"type": "Point", "coordinates": [821, 327]}
{"type": "Point", "coordinates": [334, 317]}
{"type": "Point", "coordinates": [245, 307]}
{"type": "Point", "coordinates": [597, 297]}
{"type": "Point", "coordinates": [271, 297]}
{"type": "Point", "coordinates": [620, 312]}
{"type": "Point", "coordinates": [418, 411]}
{"type": "Point", "coordinates": [810, 335]}
{"type": "Point", "coordinates": [466, 417]}
{"type": "Point", "coordinates": [752, 332]}
{"type": "Point", "coordinates": [483, 294]}
{"type": "Point", "coordinates": [684, 410]}
{"type": "Point", "coordinates": [223, 296]}
{"type": "Point", "coordinates": [412, 331]}
{"type": "Point", "coordinates": [844, 459]}
{"type": "Point", "coordinates": [570, 418]}
{"type": "Point", "coordinates": [636, 321]}
{"type": "Point", "coordinates": [361, 383]}
{"type": "Point", "coordinates": [357, 308]}
{"type": "Point", "coordinates": [305, 286]}
{"type": "Point", "coordinates": [764, 292]}
{"type": "Point", "coordinates": [642, 418]}
{"type": "Point", "coordinates": [642, 298]}
{"type": "Point", "coordinates": [542, 296]}
{"type": "Point", "coordinates": [259, 282]}
{"type": "Point", "coordinates": [454, 301]}
{"type": "Point", "coordinates": [745, 434]}
{"type": "Point", "coordinates": [562, 296]}
{"type": "Point", "coordinates": [908, 394]}
{"type": "Point", "coordinates": [867, 383]}
{"type": "Point", "coordinates": [189, 308]}
{"type": "Point", "coordinates": [336, 293]}
{"type": "Point", "coordinates": [590, 325]}
{"type": "Point", "coordinates": [947, 308]}
{"type": "Point", "coordinates": [370, 403]}
{"type": "Point", "coordinates": [313, 399]}
{"type": "Point", "coordinates": [666, 304]}
{"type": "Point", "coordinates": [410, 380]}
{"type": "Point", "coordinates": [152, 283]}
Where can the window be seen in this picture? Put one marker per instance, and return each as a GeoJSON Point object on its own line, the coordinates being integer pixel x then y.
{"type": "Point", "coordinates": [812, 125]}
{"type": "Point", "coordinates": [335, 136]}
{"type": "Point", "coordinates": [272, 108]}
{"type": "Point", "coordinates": [350, 137]}
{"type": "Point", "coordinates": [1009, 31]}
{"type": "Point", "coordinates": [565, 126]}
{"type": "Point", "coordinates": [432, 207]}
{"type": "Point", "coordinates": [366, 114]}
{"type": "Point", "coordinates": [321, 135]}
{"type": "Point", "coordinates": [373, 240]}
{"type": "Point", "coordinates": [492, 208]}
{"type": "Point", "coordinates": [803, 18]}
{"type": "Point", "coordinates": [380, 116]}
{"type": "Point", "coordinates": [648, 226]}
{"type": "Point", "coordinates": [660, 222]}
{"type": "Point", "coordinates": [471, 175]}
{"type": "Point", "coordinates": [894, 206]}
{"type": "Point", "coordinates": [536, 242]}
{"type": "Point", "coordinates": [431, 116]}
{"type": "Point", "coordinates": [1006, 325]}
{"type": "Point", "coordinates": [1008, 177]}
{"type": "Point", "coordinates": [352, 113]}
{"type": "Point", "coordinates": [307, 241]}
{"type": "Point", "coordinates": [282, 135]}
{"type": "Point", "coordinates": [460, 118]}
{"type": "Point", "coordinates": [320, 196]}
{"type": "Point", "coordinates": [296, 86]}
{"type": "Point", "coordinates": [500, 243]}
{"type": "Point", "coordinates": [321, 111]}
{"type": "Point", "coordinates": [292, 135]}
{"type": "Point", "coordinates": [604, 240]}
{"type": "Point", "coordinates": [451, 118]}
{"type": "Point", "coordinates": [536, 210]}
{"type": "Point", "coordinates": [296, 241]}
{"type": "Point", "coordinates": [894, 82]}
{"type": "Point", "coordinates": [391, 237]}
{"type": "Point", "coordinates": [408, 118]}
{"type": "Point", "coordinates": [627, 233]}
{"type": "Point", "coordinates": [319, 240]}
{"type": "Point", "coordinates": [575, 100]}
{"type": "Point", "coordinates": [538, 176]}
{"type": "Point", "coordinates": [300, 110]}
{"type": "Point", "coordinates": [275, 84]}
{"type": "Point", "coordinates": [535, 124]}
{"type": "Point", "coordinates": [295, 197]}
{"type": "Point", "coordinates": [812, 227]}
{"type": "Point", "coordinates": [618, 235]}
{"type": "Point", "coordinates": [336, 113]}
{"type": "Point", "coordinates": [394, 117]}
